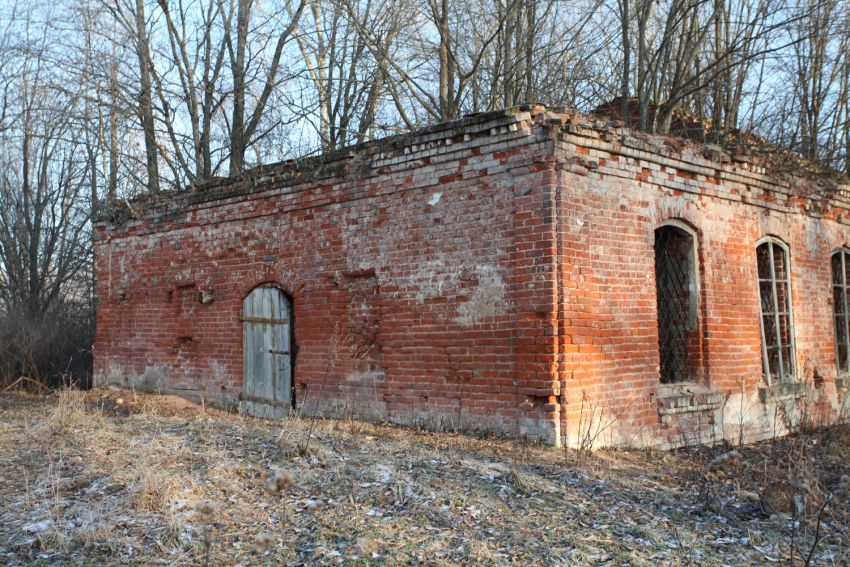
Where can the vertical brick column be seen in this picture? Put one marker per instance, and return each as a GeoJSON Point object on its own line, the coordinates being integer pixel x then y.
{"type": "Point", "coordinates": [534, 263]}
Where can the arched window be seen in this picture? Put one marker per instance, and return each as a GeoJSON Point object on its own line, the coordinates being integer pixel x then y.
{"type": "Point", "coordinates": [676, 296]}
{"type": "Point", "coordinates": [840, 281]}
{"type": "Point", "coordinates": [777, 338]}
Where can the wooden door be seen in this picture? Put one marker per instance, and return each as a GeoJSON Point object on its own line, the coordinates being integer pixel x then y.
{"type": "Point", "coordinates": [267, 353]}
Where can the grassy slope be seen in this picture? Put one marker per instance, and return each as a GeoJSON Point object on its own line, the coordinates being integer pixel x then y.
{"type": "Point", "coordinates": [86, 479]}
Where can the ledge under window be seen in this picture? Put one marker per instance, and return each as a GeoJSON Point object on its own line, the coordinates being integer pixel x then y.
{"type": "Point", "coordinates": [686, 397]}
{"type": "Point", "coordinates": [781, 391]}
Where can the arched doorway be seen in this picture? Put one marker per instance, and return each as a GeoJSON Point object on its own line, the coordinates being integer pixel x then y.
{"type": "Point", "coordinates": [267, 353]}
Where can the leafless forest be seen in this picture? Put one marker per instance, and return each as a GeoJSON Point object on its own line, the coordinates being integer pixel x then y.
{"type": "Point", "coordinates": [105, 99]}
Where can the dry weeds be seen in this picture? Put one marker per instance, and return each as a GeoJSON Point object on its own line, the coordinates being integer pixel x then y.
{"type": "Point", "coordinates": [114, 477]}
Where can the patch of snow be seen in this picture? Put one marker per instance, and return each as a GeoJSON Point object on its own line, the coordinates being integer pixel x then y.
{"type": "Point", "coordinates": [37, 527]}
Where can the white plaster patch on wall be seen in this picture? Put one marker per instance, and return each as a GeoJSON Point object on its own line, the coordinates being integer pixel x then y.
{"type": "Point", "coordinates": [370, 378]}
{"type": "Point", "coordinates": [842, 405]}
{"type": "Point", "coordinates": [126, 272]}
{"type": "Point", "coordinates": [183, 274]}
{"type": "Point", "coordinates": [125, 252]}
{"type": "Point", "coordinates": [153, 379]}
{"type": "Point", "coordinates": [433, 278]}
{"type": "Point", "coordinates": [109, 278]}
{"type": "Point", "coordinates": [742, 409]}
{"type": "Point", "coordinates": [435, 198]}
{"type": "Point", "coordinates": [778, 224]}
{"type": "Point", "coordinates": [443, 277]}
{"type": "Point", "coordinates": [219, 372]}
{"type": "Point", "coordinates": [761, 420]}
{"type": "Point", "coordinates": [220, 375]}
{"type": "Point", "coordinates": [720, 224]}
{"type": "Point", "coordinates": [487, 300]}
{"type": "Point", "coordinates": [817, 235]}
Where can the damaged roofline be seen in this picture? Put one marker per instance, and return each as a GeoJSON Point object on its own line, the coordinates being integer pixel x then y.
{"type": "Point", "coordinates": [588, 132]}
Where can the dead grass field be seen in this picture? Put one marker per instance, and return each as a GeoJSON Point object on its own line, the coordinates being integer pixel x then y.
{"type": "Point", "coordinates": [114, 477]}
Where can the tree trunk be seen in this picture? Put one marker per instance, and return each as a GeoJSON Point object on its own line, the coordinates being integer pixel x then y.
{"type": "Point", "coordinates": [625, 77]}
{"type": "Point", "coordinates": [237, 123]}
{"type": "Point", "coordinates": [442, 21]}
{"type": "Point", "coordinates": [145, 103]}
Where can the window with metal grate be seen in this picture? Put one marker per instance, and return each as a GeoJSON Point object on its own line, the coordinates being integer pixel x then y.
{"type": "Point", "coordinates": [675, 286]}
{"type": "Point", "coordinates": [841, 315]}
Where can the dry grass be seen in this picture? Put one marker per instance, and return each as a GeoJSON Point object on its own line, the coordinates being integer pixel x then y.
{"type": "Point", "coordinates": [114, 477]}
{"type": "Point", "coordinates": [68, 413]}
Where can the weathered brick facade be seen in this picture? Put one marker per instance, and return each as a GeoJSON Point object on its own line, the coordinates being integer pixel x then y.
{"type": "Point", "coordinates": [496, 273]}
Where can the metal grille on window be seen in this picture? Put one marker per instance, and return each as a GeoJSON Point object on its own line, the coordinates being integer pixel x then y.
{"type": "Point", "coordinates": [775, 307]}
{"type": "Point", "coordinates": [840, 279]}
{"type": "Point", "coordinates": [673, 285]}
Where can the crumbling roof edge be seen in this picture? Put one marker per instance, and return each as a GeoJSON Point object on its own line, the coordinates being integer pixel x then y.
{"type": "Point", "coordinates": [327, 165]}
{"type": "Point", "coordinates": [466, 124]}
{"type": "Point", "coordinates": [560, 121]}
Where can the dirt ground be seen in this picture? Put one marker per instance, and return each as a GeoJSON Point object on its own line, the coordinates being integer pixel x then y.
{"type": "Point", "coordinates": [116, 477]}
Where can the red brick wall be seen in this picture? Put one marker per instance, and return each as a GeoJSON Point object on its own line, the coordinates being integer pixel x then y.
{"type": "Point", "coordinates": [613, 196]}
{"type": "Point", "coordinates": [496, 273]}
{"type": "Point", "coordinates": [428, 261]}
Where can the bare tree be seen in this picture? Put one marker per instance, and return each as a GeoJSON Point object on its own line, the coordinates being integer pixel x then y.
{"type": "Point", "coordinates": [244, 124]}
{"type": "Point", "coordinates": [823, 41]}
{"type": "Point", "coordinates": [145, 96]}
{"type": "Point", "coordinates": [347, 80]}
{"type": "Point", "coordinates": [189, 87]}
{"type": "Point", "coordinates": [45, 205]}
{"type": "Point", "coordinates": [44, 209]}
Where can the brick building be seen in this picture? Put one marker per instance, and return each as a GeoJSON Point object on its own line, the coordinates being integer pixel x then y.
{"type": "Point", "coordinates": [524, 271]}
